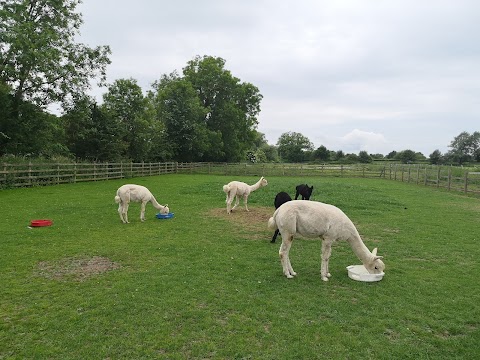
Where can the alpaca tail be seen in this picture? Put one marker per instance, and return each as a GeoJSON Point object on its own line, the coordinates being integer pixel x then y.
{"type": "Point", "coordinates": [226, 190]}
{"type": "Point", "coordinates": [272, 225]}
{"type": "Point", "coordinates": [272, 222]}
{"type": "Point", "coordinates": [117, 199]}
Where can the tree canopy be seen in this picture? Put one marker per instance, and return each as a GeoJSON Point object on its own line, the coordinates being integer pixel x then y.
{"type": "Point", "coordinates": [39, 57]}
{"type": "Point", "coordinates": [293, 146]}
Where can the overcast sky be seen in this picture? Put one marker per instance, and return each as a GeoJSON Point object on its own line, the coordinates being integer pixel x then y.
{"type": "Point", "coordinates": [350, 75]}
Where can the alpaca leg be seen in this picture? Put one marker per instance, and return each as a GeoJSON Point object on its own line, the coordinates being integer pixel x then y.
{"type": "Point", "coordinates": [125, 213]}
{"type": "Point", "coordinates": [275, 236]}
{"type": "Point", "coordinates": [142, 212]}
{"type": "Point", "coordinates": [120, 212]}
{"type": "Point", "coordinates": [245, 200]}
{"type": "Point", "coordinates": [284, 256]}
{"type": "Point", "coordinates": [229, 203]}
{"type": "Point", "coordinates": [237, 201]}
{"type": "Point", "coordinates": [326, 252]}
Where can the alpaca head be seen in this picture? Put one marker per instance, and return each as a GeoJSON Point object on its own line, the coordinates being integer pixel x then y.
{"type": "Point", "coordinates": [263, 181]}
{"type": "Point", "coordinates": [375, 265]}
{"type": "Point", "coordinates": [165, 210]}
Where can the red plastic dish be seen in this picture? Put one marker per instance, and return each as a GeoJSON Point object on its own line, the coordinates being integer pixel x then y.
{"type": "Point", "coordinates": [39, 223]}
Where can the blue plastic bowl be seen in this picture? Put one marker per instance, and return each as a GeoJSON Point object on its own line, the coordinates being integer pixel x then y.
{"type": "Point", "coordinates": [165, 216]}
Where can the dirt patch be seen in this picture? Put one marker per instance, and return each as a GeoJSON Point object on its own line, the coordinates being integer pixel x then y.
{"type": "Point", "coordinates": [252, 223]}
{"type": "Point", "coordinates": [76, 269]}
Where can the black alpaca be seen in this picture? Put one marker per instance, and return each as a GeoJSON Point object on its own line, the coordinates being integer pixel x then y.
{"type": "Point", "coordinates": [305, 191]}
{"type": "Point", "coordinates": [280, 199]}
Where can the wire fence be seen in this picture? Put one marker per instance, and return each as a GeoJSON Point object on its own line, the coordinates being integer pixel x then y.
{"type": "Point", "coordinates": [39, 174]}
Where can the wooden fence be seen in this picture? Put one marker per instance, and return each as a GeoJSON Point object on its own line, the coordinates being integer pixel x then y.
{"type": "Point", "coordinates": [35, 174]}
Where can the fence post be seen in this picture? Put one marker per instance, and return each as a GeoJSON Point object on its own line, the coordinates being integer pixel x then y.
{"type": "Point", "coordinates": [466, 182]}
{"type": "Point", "coordinates": [449, 178]}
{"type": "Point", "coordinates": [30, 173]}
{"type": "Point", "coordinates": [58, 173]}
{"type": "Point", "coordinates": [438, 176]}
{"type": "Point", "coordinates": [418, 173]}
{"type": "Point", "coordinates": [425, 179]}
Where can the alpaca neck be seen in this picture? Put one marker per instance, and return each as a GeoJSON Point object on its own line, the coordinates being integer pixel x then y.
{"type": "Point", "coordinates": [155, 204]}
{"type": "Point", "coordinates": [360, 249]}
{"type": "Point", "coordinates": [256, 186]}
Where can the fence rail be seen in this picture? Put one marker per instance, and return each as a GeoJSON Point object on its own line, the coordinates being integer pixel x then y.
{"type": "Point", "coordinates": [35, 174]}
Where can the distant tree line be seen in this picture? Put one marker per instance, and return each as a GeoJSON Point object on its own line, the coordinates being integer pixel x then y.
{"type": "Point", "coordinates": [203, 113]}
{"type": "Point", "coordinates": [295, 147]}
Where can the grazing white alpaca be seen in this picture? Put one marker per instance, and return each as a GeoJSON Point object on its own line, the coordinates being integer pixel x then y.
{"type": "Point", "coordinates": [235, 189]}
{"type": "Point", "coordinates": [312, 219]}
{"type": "Point", "coordinates": [136, 193]}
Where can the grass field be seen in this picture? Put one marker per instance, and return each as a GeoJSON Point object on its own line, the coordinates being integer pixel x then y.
{"type": "Point", "coordinates": [205, 285]}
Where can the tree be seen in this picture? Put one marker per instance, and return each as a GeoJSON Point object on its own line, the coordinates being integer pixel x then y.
{"type": "Point", "coordinates": [321, 154]}
{"type": "Point", "coordinates": [363, 157]}
{"type": "Point", "coordinates": [465, 147]}
{"type": "Point", "coordinates": [377, 156]}
{"type": "Point", "coordinates": [435, 157]}
{"type": "Point", "coordinates": [391, 155]}
{"type": "Point", "coordinates": [91, 133]}
{"type": "Point", "coordinates": [406, 156]}
{"type": "Point", "coordinates": [39, 58]}
{"type": "Point", "coordinates": [292, 146]}
{"type": "Point", "coordinates": [124, 102]}
{"type": "Point", "coordinates": [182, 113]}
{"type": "Point", "coordinates": [41, 64]}
{"type": "Point", "coordinates": [339, 155]}
{"type": "Point", "coordinates": [231, 107]}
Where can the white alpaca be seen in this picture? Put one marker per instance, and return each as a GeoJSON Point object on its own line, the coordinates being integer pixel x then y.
{"type": "Point", "coordinates": [312, 219]}
{"type": "Point", "coordinates": [136, 193]}
{"type": "Point", "coordinates": [235, 189]}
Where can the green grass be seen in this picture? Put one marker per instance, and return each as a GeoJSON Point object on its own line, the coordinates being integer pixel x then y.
{"type": "Point", "coordinates": [201, 286]}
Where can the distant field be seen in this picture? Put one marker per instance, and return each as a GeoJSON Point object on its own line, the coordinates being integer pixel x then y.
{"type": "Point", "coordinates": [205, 285]}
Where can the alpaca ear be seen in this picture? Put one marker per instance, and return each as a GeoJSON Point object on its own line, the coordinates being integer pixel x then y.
{"type": "Point", "coordinates": [374, 253]}
{"type": "Point", "coordinates": [166, 205]}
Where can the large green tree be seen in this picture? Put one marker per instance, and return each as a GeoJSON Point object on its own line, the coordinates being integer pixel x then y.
{"type": "Point", "coordinates": [182, 113]}
{"type": "Point", "coordinates": [465, 147]}
{"type": "Point", "coordinates": [294, 147]}
{"type": "Point", "coordinates": [231, 106]}
{"type": "Point", "coordinates": [321, 154]}
{"type": "Point", "coordinates": [91, 133]}
{"type": "Point", "coordinates": [39, 57]}
{"type": "Point", "coordinates": [406, 156]}
{"type": "Point", "coordinates": [125, 103]}
{"type": "Point", "coordinates": [41, 63]}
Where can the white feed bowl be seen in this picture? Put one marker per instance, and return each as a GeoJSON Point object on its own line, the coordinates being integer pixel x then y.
{"type": "Point", "coordinates": [359, 273]}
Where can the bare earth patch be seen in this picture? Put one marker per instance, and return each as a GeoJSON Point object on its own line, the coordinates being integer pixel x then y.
{"type": "Point", "coordinates": [76, 269]}
{"type": "Point", "coordinates": [253, 222]}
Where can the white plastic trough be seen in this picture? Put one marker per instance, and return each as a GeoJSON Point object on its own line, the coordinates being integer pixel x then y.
{"type": "Point", "coordinates": [359, 273]}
